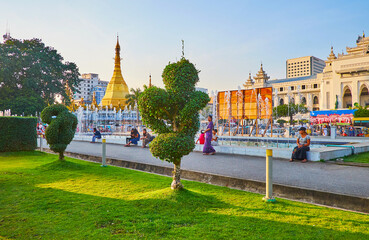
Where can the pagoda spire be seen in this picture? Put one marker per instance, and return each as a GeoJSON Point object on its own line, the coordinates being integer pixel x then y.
{"type": "Point", "coordinates": [117, 88]}
{"type": "Point", "coordinates": [248, 82]}
{"type": "Point", "coordinates": [150, 81]}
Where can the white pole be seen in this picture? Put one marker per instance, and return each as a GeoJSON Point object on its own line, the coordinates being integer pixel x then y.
{"type": "Point", "coordinates": [269, 177]}
{"type": "Point", "coordinates": [41, 142]}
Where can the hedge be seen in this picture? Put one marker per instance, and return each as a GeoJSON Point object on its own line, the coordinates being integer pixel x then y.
{"type": "Point", "coordinates": [18, 134]}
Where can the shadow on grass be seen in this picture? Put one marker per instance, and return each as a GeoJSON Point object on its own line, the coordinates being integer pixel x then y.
{"type": "Point", "coordinates": [176, 214]}
{"type": "Point", "coordinates": [58, 165]}
{"type": "Point", "coordinates": [28, 211]}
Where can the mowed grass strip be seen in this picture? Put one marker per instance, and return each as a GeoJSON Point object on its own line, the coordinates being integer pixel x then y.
{"type": "Point", "coordinates": [359, 158]}
{"type": "Point", "coordinates": [43, 198]}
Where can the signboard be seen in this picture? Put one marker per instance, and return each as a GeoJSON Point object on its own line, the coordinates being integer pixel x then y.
{"type": "Point", "coordinates": [338, 117]}
{"type": "Point", "coordinates": [245, 104]}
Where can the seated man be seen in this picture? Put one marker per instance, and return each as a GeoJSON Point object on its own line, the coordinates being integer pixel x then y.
{"type": "Point", "coordinates": [135, 137]}
{"type": "Point", "coordinates": [97, 135]}
{"type": "Point", "coordinates": [146, 138]}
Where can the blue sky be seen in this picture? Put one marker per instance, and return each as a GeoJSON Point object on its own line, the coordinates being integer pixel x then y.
{"type": "Point", "coordinates": [225, 39]}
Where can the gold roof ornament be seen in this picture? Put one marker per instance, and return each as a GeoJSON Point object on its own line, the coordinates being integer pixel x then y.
{"type": "Point", "coordinates": [94, 102]}
{"type": "Point", "coordinates": [332, 55]}
{"type": "Point", "coordinates": [150, 81]}
{"type": "Point", "coordinates": [248, 82]}
{"type": "Point", "coordinates": [117, 88]}
{"type": "Point", "coordinates": [261, 77]}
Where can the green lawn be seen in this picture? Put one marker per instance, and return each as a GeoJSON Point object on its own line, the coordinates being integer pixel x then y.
{"type": "Point", "coordinates": [360, 158]}
{"type": "Point", "coordinates": [42, 198]}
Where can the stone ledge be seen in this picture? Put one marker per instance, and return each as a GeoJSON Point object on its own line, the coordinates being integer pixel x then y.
{"type": "Point", "coordinates": [347, 202]}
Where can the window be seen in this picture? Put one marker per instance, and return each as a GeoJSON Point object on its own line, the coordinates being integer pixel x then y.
{"type": "Point", "coordinates": [315, 100]}
{"type": "Point", "coordinates": [303, 87]}
{"type": "Point", "coordinates": [292, 88]}
{"type": "Point", "coordinates": [281, 89]}
{"type": "Point", "coordinates": [315, 85]}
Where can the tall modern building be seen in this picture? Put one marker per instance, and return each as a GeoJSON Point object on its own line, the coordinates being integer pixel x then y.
{"type": "Point", "coordinates": [88, 82]}
{"type": "Point", "coordinates": [99, 91]}
{"type": "Point", "coordinates": [304, 66]}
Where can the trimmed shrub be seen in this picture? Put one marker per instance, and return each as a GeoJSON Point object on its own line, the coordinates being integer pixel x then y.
{"type": "Point", "coordinates": [18, 134]}
{"type": "Point", "coordinates": [173, 113]}
{"type": "Point", "coordinates": [61, 129]}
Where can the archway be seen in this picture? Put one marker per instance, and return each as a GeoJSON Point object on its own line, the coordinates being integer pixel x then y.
{"type": "Point", "coordinates": [347, 98]}
{"type": "Point", "coordinates": [303, 100]}
{"type": "Point", "coordinates": [364, 96]}
{"type": "Point", "coordinates": [316, 100]}
{"type": "Point", "coordinates": [281, 102]}
{"type": "Point", "coordinates": [292, 100]}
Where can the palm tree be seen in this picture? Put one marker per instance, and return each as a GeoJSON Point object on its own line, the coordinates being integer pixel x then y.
{"type": "Point", "coordinates": [132, 100]}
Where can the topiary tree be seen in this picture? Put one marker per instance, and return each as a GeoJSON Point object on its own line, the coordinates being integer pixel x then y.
{"type": "Point", "coordinates": [61, 129]}
{"type": "Point", "coordinates": [173, 113]}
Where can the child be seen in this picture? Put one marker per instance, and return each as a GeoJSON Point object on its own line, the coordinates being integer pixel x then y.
{"type": "Point", "coordinates": [201, 138]}
{"type": "Point", "coordinates": [214, 140]}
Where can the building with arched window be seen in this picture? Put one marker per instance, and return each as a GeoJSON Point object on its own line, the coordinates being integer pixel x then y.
{"type": "Point", "coordinates": [345, 79]}
{"type": "Point", "coordinates": [343, 82]}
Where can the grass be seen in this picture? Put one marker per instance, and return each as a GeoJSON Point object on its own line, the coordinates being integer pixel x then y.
{"type": "Point", "coordinates": [359, 158]}
{"type": "Point", "coordinates": [43, 198]}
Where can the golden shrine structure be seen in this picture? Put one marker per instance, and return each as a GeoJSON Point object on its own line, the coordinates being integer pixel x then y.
{"type": "Point", "coordinates": [117, 88]}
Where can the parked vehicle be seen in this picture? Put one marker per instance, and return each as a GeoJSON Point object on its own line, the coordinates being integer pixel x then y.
{"type": "Point", "coordinates": [277, 132]}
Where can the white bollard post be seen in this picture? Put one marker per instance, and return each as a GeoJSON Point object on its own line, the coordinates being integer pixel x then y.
{"type": "Point", "coordinates": [103, 160]}
{"type": "Point", "coordinates": [41, 143]}
{"type": "Point", "coordinates": [269, 177]}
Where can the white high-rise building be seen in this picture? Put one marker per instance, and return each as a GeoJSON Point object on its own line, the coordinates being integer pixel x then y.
{"type": "Point", "coordinates": [304, 66]}
{"type": "Point", "coordinates": [88, 82]}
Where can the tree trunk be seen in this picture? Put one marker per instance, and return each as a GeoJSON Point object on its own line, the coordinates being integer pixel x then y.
{"type": "Point", "coordinates": [176, 184]}
{"type": "Point", "coordinates": [61, 156]}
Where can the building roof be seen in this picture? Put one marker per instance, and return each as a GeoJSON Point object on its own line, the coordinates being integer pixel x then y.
{"type": "Point", "coordinates": [292, 79]}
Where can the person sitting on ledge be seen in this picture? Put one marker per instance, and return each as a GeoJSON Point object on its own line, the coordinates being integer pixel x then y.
{"type": "Point", "coordinates": [146, 138]}
{"type": "Point", "coordinates": [214, 140]}
{"type": "Point", "coordinates": [201, 138]}
{"type": "Point", "coordinates": [303, 143]}
{"type": "Point", "coordinates": [97, 135]}
{"type": "Point", "coordinates": [135, 137]}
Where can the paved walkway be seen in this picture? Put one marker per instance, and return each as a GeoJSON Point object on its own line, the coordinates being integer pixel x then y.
{"type": "Point", "coordinates": [313, 175]}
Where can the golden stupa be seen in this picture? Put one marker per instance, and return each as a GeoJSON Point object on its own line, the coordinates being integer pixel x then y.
{"type": "Point", "coordinates": [117, 88]}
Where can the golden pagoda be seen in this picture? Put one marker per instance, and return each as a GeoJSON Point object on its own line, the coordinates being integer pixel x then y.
{"type": "Point", "coordinates": [117, 88]}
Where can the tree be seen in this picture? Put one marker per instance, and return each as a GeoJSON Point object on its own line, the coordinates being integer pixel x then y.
{"type": "Point", "coordinates": [61, 129]}
{"type": "Point", "coordinates": [361, 111]}
{"type": "Point", "coordinates": [290, 110]}
{"type": "Point", "coordinates": [31, 71]}
{"type": "Point", "coordinates": [206, 111]}
{"type": "Point", "coordinates": [132, 100]}
{"type": "Point", "coordinates": [173, 113]}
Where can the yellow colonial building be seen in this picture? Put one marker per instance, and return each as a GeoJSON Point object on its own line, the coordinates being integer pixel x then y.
{"type": "Point", "coordinates": [117, 88]}
{"type": "Point", "coordinates": [344, 81]}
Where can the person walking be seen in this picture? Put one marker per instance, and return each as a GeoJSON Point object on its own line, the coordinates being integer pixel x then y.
{"type": "Point", "coordinates": [208, 149]}
{"type": "Point", "coordinates": [303, 143]}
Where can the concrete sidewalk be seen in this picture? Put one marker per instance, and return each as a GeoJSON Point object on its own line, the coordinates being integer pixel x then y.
{"type": "Point", "coordinates": [333, 178]}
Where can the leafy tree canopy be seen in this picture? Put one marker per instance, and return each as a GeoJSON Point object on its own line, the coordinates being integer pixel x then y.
{"type": "Point", "coordinates": [361, 111]}
{"type": "Point", "coordinates": [289, 110]}
{"type": "Point", "coordinates": [33, 73]}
